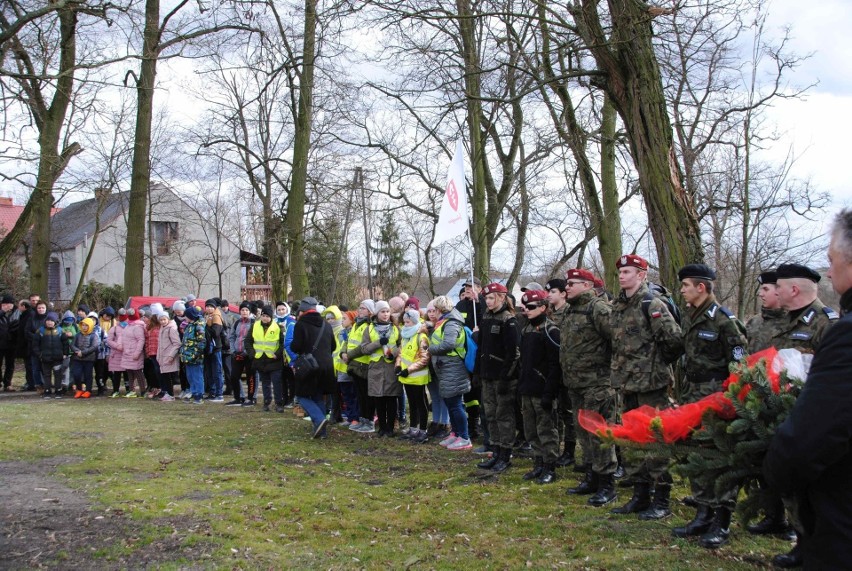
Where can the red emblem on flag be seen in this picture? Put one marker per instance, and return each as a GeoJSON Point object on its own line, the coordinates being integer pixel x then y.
{"type": "Point", "coordinates": [453, 195]}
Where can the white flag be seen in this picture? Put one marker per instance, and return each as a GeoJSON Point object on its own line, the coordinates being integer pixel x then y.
{"type": "Point", "coordinates": [453, 220]}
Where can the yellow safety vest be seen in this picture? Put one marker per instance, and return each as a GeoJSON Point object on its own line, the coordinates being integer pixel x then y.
{"type": "Point", "coordinates": [407, 355]}
{"type": "Point", "coordinates": [265, 343]}
{"type": "Point", "coordinates": [339, 365]}
{"type": "Point", "coordinates": [356, 334]}
{"type": "Point", "coordinates": [393, 340]}
{"type": "Point", "coordinates": [438, 338]}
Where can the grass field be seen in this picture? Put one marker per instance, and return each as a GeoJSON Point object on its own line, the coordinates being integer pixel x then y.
{"type": "Point", "coordinates": [174, 486]}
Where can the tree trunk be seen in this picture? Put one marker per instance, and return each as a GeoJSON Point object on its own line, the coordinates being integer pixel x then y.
{"type": "Point", "coordinates": [634, 84]}
{"type": "Point", "coordinates": [609, 231]}
{"type": "Point", "coordinates": [301, 149]}
{"type": "Point", "coordinates": [140, 177]}
{"type": "Point", "coordinates": [478, 228]}
{"type": "Point", "coordinates": [101, 199]}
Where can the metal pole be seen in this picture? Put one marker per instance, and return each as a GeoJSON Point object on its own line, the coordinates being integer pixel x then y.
{"type": "Point", "coordinates": [359, 178]}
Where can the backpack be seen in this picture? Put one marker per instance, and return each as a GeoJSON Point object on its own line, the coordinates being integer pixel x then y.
{"type": "Point", "coordinates": [470, 347]}
{"type": "Point", "coordinates": [664, 295]}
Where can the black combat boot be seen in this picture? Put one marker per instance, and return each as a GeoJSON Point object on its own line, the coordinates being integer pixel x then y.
{"type": "Point", "coordinates": [699, 525]}
{"type": "Point", "coordinates": [489, 463]}
{"type": "Point", "coordinates": [589, 484]}
{"type": "Point", "coordinates": [659, 508]}
{"type": "Point", "coordinates": [504, 460]}
{"type": "Point", "coordinates": [775, 521]}
{"type": "Point", "coordinates": [473, 422]}
{"type": "Point", "coordinates": [567, 456]}
{"type": "Point", "coordinates": [790, 560]}
{"type": "Point", "coordinates": [719, 531]}
{"type": "Point", "coordinates": [548, 474]}
{"type": "Point", "coordinates": [640, 501]}
{"type": "Point", "coordinates": [538, 466]}
{"type": "Point", "coordinates": [606, 491]}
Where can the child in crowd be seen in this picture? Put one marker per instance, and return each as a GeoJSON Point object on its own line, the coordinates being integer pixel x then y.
{"type": "Point", "coordinates": [412, 370]}
{"type": "Point", "coordinates": [133, 353]}
{"type": "Point", "coordinates": [106, 321]}
{"type": "Point", "coordinates": [51, 347]}
{"type": "Point", "coordinates": [115, 361]}
{"type": "Point", "coordinates": [84, 352]}
{"type": "Point", "coordinates": [168, 349]}
{"type": "Point", "coordinates": [151, 367]}
{"type": "Point", "coordinates": [350, 410]}
{"type": "Point", "coordinates": [70, 330]}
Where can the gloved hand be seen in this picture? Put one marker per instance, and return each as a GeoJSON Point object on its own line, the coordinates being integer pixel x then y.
{"type": "Point", "coordinates": [383, 341]}
{"type": "Point", "coordinates": [547, 402]}
{"type": "Point", "coordinates": [503, 387]}
{"type": "Point", "coordinates": [403, 373]}
{"type": "Point", "coordinates": [397, 371]}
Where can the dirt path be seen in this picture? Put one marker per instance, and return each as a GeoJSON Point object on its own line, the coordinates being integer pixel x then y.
{"type": "Point", "coordinates": [47, 525]}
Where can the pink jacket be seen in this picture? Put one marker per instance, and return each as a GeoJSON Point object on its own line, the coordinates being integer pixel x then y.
{"type": "Point", "coordinates": [133, 342]}
{"type": "Point", "coordinates": [169, 348]}
{"type": "Point", "coordinates": [114, 337]}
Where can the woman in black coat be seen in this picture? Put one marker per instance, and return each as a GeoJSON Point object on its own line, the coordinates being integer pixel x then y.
{"type": "Point", "coordinates": [312, 335]}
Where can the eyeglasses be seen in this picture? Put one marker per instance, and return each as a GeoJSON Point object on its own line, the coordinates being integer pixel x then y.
{"type": "Point", "coordinates": [572, 284]}
{"type": "Point", "coordinates": [532, 306]}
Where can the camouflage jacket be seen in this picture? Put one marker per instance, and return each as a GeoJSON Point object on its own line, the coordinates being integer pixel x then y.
{"type": "Point", "coordinates": [713, 338]}
{"type": "Point", "coordinates": [585, 351]}
{"type": "Point", "coordinates": [637, 364]}
{"type": "Point", "coordinates": [804, 329]}
{"type": "Point", "coordinates": [760, 329]}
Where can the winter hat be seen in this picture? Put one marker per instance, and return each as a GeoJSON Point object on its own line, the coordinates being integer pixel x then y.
{"type": "Point", "coordinates": [267, 310]}
{"type": "Point", "coordinates": [7, 298]}
{"type": "Point", "coordinates": [93, 315]}
{"type": "Point", "coordinates": [109, 311]}
{"type": "Point", "coordinates": [51, 316]}
{"type": "Point", "coordinates": [351, 315]}
{"type": "Point", "coordinates": [413, 315]}
{"type": "Point", "coordinates": [247, 305]}
{"type": "Point", "coordinates": [68, 316]}
{"type": "Point", "coordinates": [132, 315]}
{"type": "Point", "coordinates": [413, 302]}
{"type": "Point", "coordinates": [158, 314]}
{"type": "Point", "coordinates": [397, 304]}
{"type": "Point", "coordinates": [189, 298]}
{"type": "Point", "coordinates": [380, 305]}
{"type": "Point", "coordinates": [370, 305]}
{"type": "Point", "coordinates": [122, 314]}
{"type": "Point", "coordinates": [178, 306]}
{"type": "Point", "coordinates": [84, 308]}
{"type": "Point", "coordinates": [156, 308]}
{"type": "Point", "coordinates": [308, 303]}
{"type": "Point", "coordinates": [87, 326]}
{"type": "Point", "coordinates": [193, 313]}
{"type": "Point", "coordinates": [212, 302]}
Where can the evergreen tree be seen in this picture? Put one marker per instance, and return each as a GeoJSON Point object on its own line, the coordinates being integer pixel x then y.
{"type": "Point", "coordinates": [331, 276]}
{"type": "Point", "coordinates": [390, 265]}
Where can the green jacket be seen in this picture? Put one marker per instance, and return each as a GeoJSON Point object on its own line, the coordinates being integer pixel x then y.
{"type": "Point", "coordinates": [713, 338]}
{"type": "Point", "coordinates": [761, 329]}
{"type": "Point", "coordinates": [585, 352]}
{"type": "Point", "coordinates": [804, 330]}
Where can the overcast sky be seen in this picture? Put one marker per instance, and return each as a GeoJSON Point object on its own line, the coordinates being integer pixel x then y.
{"type": "Point", "coordinates": [820, 125]}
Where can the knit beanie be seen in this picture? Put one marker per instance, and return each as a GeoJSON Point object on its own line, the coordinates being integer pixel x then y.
{"type": "Point", "coordinates": [380, 305]}
{"type": "Point", "coordinates": [370, 305]}
{"type": "Point", "coordinates": [413, 315]}
{"type": "Point", "coordinates": [51, 316]}
{"type": "Point", "coordinates": [267, 310]}
{"type": "Point", "coordinates": [193, 313]}
{"type": "Point", "coordinates": [413, 302]}
{"type": "Point", "coordinates": [178, 306]}
{"type": "Point", "coordinates": [132, 315]}
{"type": "Point", "coordinates": [352, 315]}
{"type": "Point", "coordinates": [122, 314]}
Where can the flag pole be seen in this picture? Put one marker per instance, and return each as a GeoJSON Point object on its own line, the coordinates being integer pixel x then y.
{"type": "Point", "coordinates": [472, 283]}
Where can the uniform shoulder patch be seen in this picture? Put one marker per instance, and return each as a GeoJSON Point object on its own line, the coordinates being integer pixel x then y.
{"type": "Point", "coordinates": [809, 315]}
{"type": "Point", "coordinates": [711, 311]}
{"type": "Point", "coordinates": [727, 312]}
{"type": "Point", "coordinates": [831, 313]}
{"type": "Point", "coordinates": [738, 352]}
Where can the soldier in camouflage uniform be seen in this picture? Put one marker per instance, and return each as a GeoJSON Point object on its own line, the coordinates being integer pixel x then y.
{"type": "Point", "coordinates": [713, 338]}
{"type": "Point", "coordinates": [556, 293]}
{"type": "Point", "coordinates": [539, 380]}
{"type": "Point", "coordinates": [643, 330]}
{"type": "Point", "coordinates": [496, 364]}
{"type": "Point", "coordinates": [808, 320]}
{"type": "Point", "coordinates": [585, 357]}
{"type": "Point", "coordinates": [761, 329]}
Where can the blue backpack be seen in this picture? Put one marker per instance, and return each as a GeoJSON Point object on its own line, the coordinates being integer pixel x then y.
{"type": "Point", "coordinates": [470, 348]}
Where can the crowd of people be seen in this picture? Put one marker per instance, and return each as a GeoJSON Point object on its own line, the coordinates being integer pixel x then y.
{"type": "Point", "coordinates": [383, 367]}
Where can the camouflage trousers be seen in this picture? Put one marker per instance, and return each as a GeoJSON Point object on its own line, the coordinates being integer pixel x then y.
{"type": "Point", "coordinates": [566, 425]}
{"type": "Point", "coordinates": [645, 466]}
{"type": "Point", "coordinates": [540, 429]}
{"type": "Point", "coordinates": [603, 401]}
{"type": "Point", "coordinates": [500, 412]}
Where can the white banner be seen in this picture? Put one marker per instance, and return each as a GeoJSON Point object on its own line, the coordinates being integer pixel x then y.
{"type": "Point", "coordinates": [453, 219]}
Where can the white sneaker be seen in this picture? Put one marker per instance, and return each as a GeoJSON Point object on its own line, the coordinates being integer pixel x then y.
{"type": "Point", "coordinates": [167, 398]}
{"type": "Point", "coordinates": [449, 439]}
{"type": "Point", "coordinates": [460, 444]}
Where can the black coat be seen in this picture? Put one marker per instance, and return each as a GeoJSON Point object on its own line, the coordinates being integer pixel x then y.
{"type": "Point", "coordinates": [810, 456]}
{"type": "Point", "coordinates": [498, 339]}
{"type": "Point", "coordinates": [323, 380]}
{"type": "Point", "coordinates": [9, 325]}
{"type": "Point", "coordinates": [540, 374]}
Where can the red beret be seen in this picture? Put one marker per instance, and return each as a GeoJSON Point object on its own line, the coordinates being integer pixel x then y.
{"type": "Point", "coordinates": [494, 288]}
{"type": "Point", "coordinates": [599, 282]}
{"type": "Point", "coordinates": [580, 274]}
{"type": "Point", "coordinates": [534, 295]}
{"type": "Point", "coordinates": [632, 260]}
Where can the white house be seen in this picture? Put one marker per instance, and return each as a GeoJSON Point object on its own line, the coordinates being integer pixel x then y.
{"type": "Point", "coordinates": [184, 252]}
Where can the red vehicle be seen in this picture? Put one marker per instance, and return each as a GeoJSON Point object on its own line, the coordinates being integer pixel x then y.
{"type": "Point", "coordinates": [142, 302]}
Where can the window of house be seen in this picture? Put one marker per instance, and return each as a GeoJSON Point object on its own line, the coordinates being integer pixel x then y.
{"type": "Point", "coordinates": [67, 276]}
{"type": "Point", "coordinates": [165, 236]}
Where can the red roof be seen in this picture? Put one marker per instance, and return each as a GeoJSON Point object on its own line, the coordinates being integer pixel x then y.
{"type": "Point", "coordinates": [9, 214]}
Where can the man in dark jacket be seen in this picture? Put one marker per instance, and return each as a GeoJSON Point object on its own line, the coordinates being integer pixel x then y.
{"type": "Point", "coordinates": [810, 458]}
{"type": "Point", "coordinates": [34, 325]}
{"type": "Point", "coordinates": [8, 343]}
